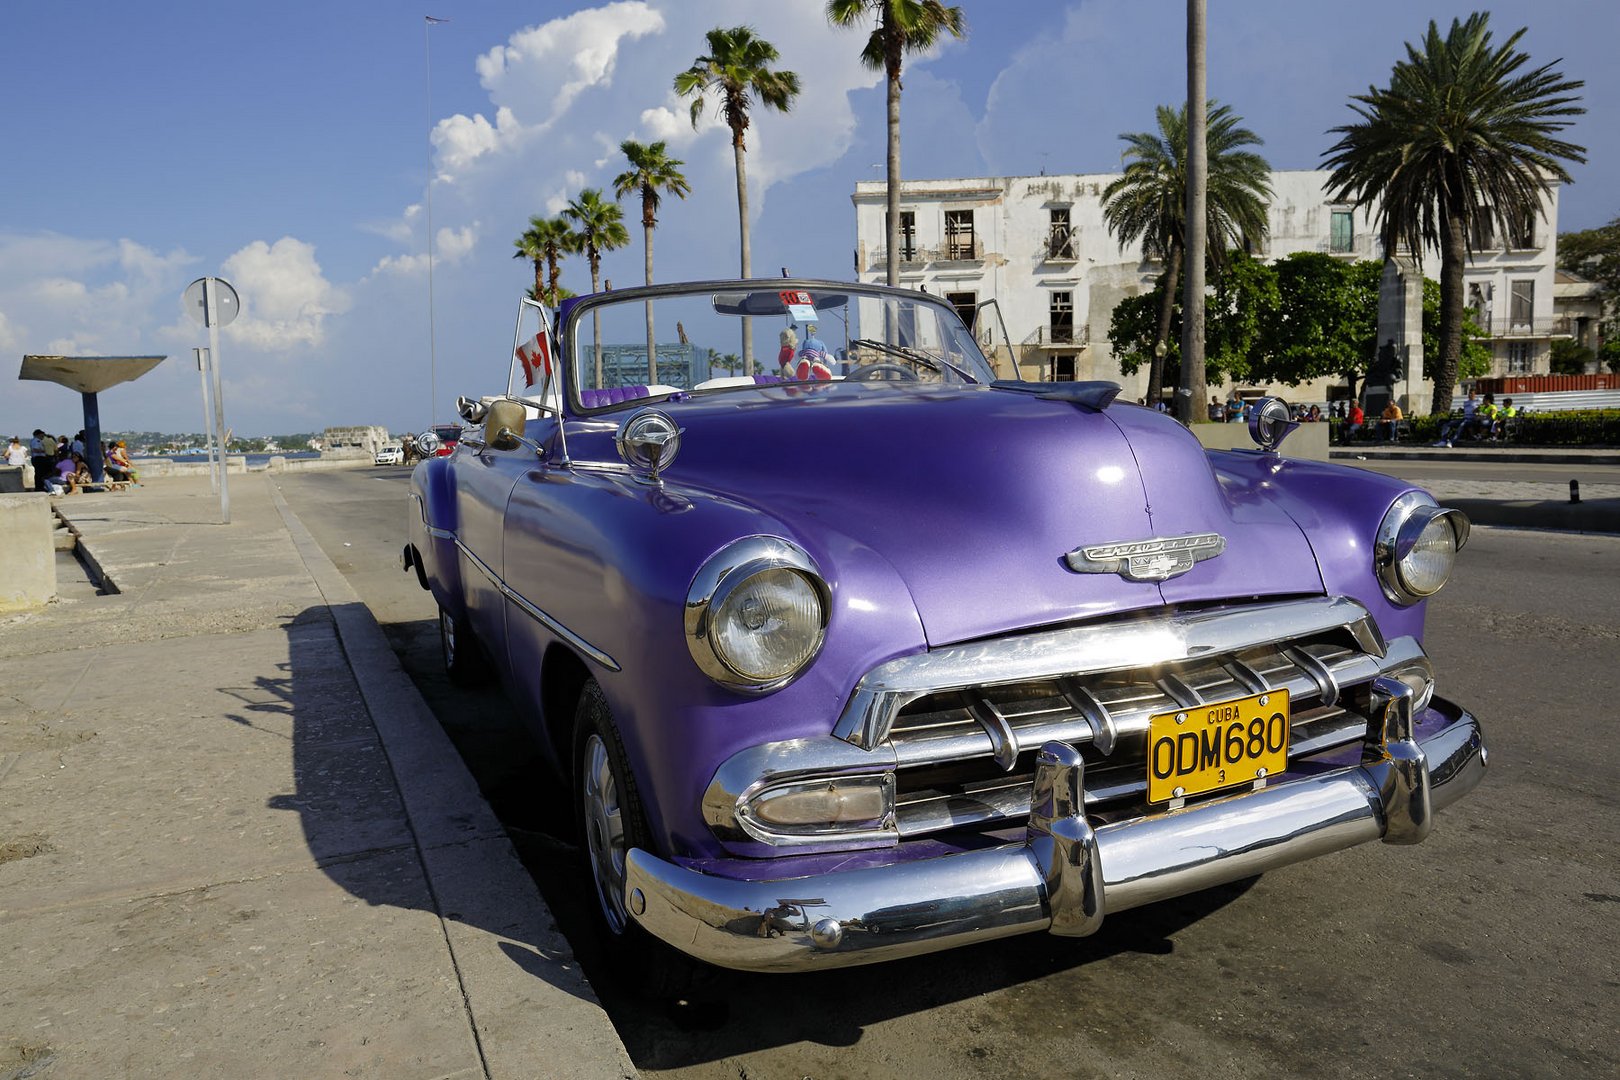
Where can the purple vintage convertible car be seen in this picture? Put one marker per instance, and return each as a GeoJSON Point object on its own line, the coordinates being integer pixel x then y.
{"type": "Point", "coordinates": [871, 653]}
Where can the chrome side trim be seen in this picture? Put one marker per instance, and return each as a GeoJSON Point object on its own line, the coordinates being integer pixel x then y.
{"type": "Point", "coordinates": [1063, 876]}
{"type": "Point", "coordinates": [534, 612]}
{"type": "Point", "coordinates": [432, 530]}
{"type": "Point", "coordinates": [1112, 646]}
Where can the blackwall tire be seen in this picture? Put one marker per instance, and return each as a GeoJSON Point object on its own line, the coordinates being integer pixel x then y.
{"type": "Point", "coordinates": [609, 822]}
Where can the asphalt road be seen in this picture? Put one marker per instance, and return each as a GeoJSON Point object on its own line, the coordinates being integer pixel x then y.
{"type": "Point", "coordinates": [1491, 950]}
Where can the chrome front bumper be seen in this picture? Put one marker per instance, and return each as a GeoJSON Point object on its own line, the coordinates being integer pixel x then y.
{"type": "Point", "coordinates": [1066, 874]}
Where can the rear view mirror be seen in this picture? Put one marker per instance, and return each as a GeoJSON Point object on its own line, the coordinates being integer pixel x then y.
{"type": "Point", "coordinates": [503, 424]}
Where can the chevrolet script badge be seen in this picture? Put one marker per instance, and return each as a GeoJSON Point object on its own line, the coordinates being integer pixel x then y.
{"type": "Point", "coordinates": [1147, 560]}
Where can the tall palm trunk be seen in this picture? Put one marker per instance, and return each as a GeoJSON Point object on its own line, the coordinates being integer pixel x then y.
{"type": "Point", "coordinates": [1167, 307]}
{"type": "Point", "coordinates": [739, 152]}
{"type": "Point", "coordinates": [892, 230]}
{"type": "Point", "coordinates": [539, 290]}
{"type": "Point", "coordinates": [596, 317]}
{"type": "Point", "coordinates": [1453, 257]}
{"type": "Point", "coordinates": [652, 348]}
{"type": "Point", "coordinates": [1190, 397]}
{"type": "Point", "coordinates": [554, 272]}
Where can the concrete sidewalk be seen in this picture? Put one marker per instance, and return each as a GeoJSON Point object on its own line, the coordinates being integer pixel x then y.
{"type": "Point", "coordinates": [233, 839]}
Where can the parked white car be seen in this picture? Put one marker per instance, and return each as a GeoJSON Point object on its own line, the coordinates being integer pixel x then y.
{"type": "Point", "coordinates": [392, 454]}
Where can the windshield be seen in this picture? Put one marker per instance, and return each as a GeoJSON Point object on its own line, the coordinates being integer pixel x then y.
{"type": "Point", "coordinates": [709, 338]}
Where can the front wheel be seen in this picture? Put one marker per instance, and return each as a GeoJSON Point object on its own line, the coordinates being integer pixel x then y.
{"type": "Point", "coordinates": [610, 822]}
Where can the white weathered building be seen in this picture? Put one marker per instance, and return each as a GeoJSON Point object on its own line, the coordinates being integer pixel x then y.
{"type": "Point", "coordinates": [1038, 246]}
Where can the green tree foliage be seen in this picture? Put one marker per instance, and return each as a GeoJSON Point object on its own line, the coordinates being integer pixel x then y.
{"type": "Point", "coordinates": [1238, 316]}
{"type": "Point", "coordinates": [902, 26]}
{"type": "Point", "coordinates": [1461, 138]}
{"type": "Point", "coordinates": [1570, 358]}
{"type": "Point", "coordinates": [1594, 254]}
{"type": "Point", "coordinates": [1306, 316]}
{"type": "Point", "coordinates": [1609, 354]}
{"type": "Point", "coordinates": [1327, 320]}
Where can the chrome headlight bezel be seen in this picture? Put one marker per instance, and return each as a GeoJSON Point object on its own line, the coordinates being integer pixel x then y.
{"type": "Point", "coordinates": [1398, 534]}
{"type": "Point", "coordinates": [720, 577]}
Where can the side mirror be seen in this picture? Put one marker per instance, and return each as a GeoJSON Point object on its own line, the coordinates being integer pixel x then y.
{"type": "Point", "coordinates": [503, 424]}
{"type": "Point", "coordinates": [428, 443]}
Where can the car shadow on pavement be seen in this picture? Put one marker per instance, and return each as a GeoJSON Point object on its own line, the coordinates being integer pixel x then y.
{"type": "Point", "coordinates": [837, 1008]}
{"type": "Point", "coordinates": [351, 814]}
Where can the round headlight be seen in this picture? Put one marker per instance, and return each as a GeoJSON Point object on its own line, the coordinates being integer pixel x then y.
{"type": "Point", "coordinates": [1417, 547]}
{"type": "Point", "coordinates": [756, 614]}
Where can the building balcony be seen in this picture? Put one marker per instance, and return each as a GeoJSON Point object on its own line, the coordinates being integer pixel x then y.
{"type": "Point", "coordinates": [1061, 337]}
{"type": "Point", "coordinates": [916, 258]}
{"type": "Point", "coordinates": [1557, 326]}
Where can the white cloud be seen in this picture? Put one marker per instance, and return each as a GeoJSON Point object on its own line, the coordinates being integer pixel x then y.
{"type": "Point", "coordinates": [555, 62]}
{"type": "Point", "coordinates": [461, 140]}
{"type": "Point", "coordinates": [450, 247]}
{"type": "Point", "coordinates": [285, 297]}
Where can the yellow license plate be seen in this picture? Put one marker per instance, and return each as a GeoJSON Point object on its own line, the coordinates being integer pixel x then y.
{"type": "Point", "coordinates": [1191, 751]}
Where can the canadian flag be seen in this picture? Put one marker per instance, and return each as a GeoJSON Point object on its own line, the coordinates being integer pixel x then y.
{"type": "Point", "coordinates": [536, 359]}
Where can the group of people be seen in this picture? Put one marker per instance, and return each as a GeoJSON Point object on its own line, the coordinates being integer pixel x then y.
{"type": "Point", "coordinates": [1235, 410]}
{"type": "Point", "coordinates": [59, 463]}
{"type": "Point", "coordinates": [1481, 419]}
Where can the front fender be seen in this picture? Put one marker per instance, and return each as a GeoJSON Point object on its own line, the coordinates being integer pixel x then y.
{"type": "Point", "coordinates": [611, 559]}
{"type": "Point", "coordinates": [431, 530]}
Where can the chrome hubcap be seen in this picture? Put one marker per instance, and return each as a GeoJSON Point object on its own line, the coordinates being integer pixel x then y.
{"type": "Point", "coordinates": [604, 831]}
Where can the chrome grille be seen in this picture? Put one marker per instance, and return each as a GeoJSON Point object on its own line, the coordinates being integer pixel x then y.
{"type": "Point", "coordinates": [965, 756]}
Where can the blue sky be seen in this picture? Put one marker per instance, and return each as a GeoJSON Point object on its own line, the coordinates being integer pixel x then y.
{"type": "Point", "coordinates": [287, 148]}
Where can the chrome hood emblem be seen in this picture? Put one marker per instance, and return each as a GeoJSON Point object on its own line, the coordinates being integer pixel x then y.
{"type": "Point", "coordinates": [1157, 559]}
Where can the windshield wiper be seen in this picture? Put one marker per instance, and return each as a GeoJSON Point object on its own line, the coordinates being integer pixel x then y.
{"type": "Point", "coordinates": [938, 363]}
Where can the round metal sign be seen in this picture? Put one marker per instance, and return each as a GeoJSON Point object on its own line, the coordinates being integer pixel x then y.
{"type": "Point", "coordinates": [226, 303]}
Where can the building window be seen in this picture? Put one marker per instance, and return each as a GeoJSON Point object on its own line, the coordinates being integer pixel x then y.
{"type": "Point", "coordinates": [1059, 237]}
{"type": "Point", "coordinates": [959, 234]}
{"type": "Point", "coordinates": [1061, 317]}
{"type": "Point", "coordinates": [1482, 234]}
{"type": "Point", "coordinates": [1521, 304]}
{"type": "Point", "coordinates": [966, 305]}
{"type": "Point", "coordinates": [1523, 236]}
{"type": "Point", "coordinates": [1342, 234]}
{"type": "Point", "coordinates": [908, 235]}
{"type": "Point", "coordinates": [1063, 369]}
{"type": "Point", "coordinates": [1518, 358]}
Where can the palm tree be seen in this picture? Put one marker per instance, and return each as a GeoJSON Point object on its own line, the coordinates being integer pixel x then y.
{"type": "Point", "coordinates": [651, 171]}
{"type": "Point", "coordinates": [737, 69]}
{"type": "Point", "coordinates": [903, 26]}
{"type": "Point", "coordinates": [545, 242]}
{"type": "Point", "coordinates": [1460, 138]}
{"type": "Point", "coordinates": [1149, 202]}
{"type": "Point", "coordinates": [600, 227]}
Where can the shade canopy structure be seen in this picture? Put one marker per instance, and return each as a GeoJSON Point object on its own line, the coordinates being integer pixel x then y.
{"type": "Point", "coordinates": [89, 375]}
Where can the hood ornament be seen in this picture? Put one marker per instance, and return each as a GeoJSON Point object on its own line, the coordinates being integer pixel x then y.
{"type": "Point", "coordinates": [1156, 559]}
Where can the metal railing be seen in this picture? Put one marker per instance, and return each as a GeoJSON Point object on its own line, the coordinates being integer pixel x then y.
{"type": "Point", "coordinates": [1508, 327]}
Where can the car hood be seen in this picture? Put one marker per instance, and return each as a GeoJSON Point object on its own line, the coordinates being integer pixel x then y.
{"type": "Point", "coordinates": [974, 496]}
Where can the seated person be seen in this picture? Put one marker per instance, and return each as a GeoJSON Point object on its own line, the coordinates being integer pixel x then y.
{"type": "Point", "coordinates": [118, 466]}
{"type": "Point", "coordinates": [1356, 418]}
{"type": "Point", "coordinates": [1389, 421]}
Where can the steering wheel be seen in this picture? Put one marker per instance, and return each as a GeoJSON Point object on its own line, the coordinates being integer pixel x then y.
{"type": "Point", "coordinates": [882, 372]}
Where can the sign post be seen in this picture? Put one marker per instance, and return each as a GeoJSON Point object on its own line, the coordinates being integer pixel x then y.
{"type": "Point", "coordinates": [214, 303]}
{"type": "Point", "coordinates": [208, 419]}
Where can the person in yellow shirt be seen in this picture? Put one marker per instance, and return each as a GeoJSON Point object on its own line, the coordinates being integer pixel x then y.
{"type": "Point", "coordinates": [1389, 420]}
